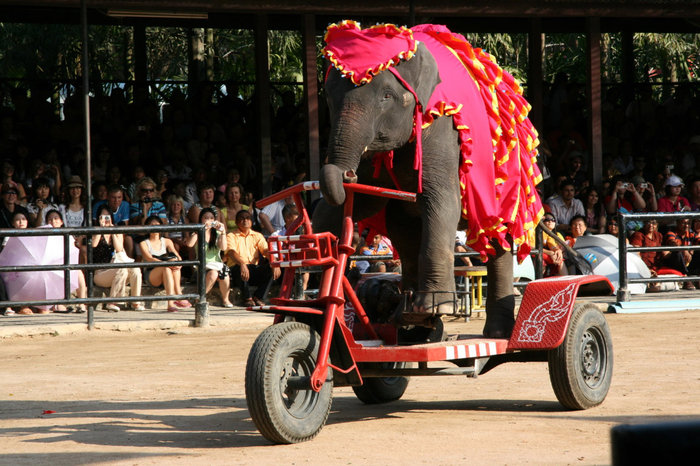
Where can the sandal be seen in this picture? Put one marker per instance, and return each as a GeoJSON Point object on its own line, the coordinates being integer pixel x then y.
{"type": "Point", "coordinates": [25, 311]}
{"type": "Point", "coordinates": [8, 312]}
{"type": "Point", "coordinates": [173, 309]}
{"type": "Point", "coordinates": [258, 301]}
{"type": "Point", "coordinates": [249, 302]}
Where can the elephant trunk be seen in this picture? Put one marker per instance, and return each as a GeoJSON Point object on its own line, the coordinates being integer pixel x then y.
{"type": "Point", "coordinates": [349, 140]}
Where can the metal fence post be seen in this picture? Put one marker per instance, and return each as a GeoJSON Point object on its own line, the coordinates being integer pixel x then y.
{"type": "Point", "coordinates": [623, 293]}
{"type": "Point", "coordinates": [539, 244]}
{"type": "Point", "coordinates": [201, 316]}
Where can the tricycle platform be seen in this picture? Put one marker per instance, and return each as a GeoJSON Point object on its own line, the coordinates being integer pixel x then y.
{"type": "Point", "coordinates": [333, 340]}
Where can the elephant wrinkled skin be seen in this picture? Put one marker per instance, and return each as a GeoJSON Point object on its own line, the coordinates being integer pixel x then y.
{"type": "Point", "coordinates": [378, 116]}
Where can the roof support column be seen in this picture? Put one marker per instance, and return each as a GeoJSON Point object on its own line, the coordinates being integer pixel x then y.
{"type": "Point", "coordinates": [311, 95]}
{"type": "Point", "coordinates": [140, 60]}
{"type": "Point", "coordinates": [534, 73]}
{"type": "Point", "coordinates": [595, 98]}
{"type": "Point", "coordinates": [628, 76]}
{"type": "Point", "coordinates": [262, 104]}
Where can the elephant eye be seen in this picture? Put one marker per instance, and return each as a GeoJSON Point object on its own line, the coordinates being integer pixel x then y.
{"type": "Point", "coordinates": [388, 95]}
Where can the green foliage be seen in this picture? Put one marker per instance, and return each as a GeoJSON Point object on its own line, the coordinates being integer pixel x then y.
{"type": "Point", "coordinates": [666, 57]}
{"type": "Point", "coordinates": [509, 50]}
{"type": "Point", "coordinates": [53, 52]}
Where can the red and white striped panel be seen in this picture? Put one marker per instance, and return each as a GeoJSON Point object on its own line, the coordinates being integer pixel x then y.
{"type": "Point", "coordinates": [478, 350]}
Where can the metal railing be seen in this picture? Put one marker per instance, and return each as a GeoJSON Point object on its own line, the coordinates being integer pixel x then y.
{"type": "Point", "coordinates": [68, 234]}
{"type": "Point", "coordinates": [623, 293]}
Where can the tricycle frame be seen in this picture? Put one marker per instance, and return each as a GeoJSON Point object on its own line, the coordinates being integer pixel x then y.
{"type": "Point", "coordinates": [371, 350]}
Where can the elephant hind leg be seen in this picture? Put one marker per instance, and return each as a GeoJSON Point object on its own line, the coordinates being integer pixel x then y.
{"type": "Point", "coordinates": [500, 301]}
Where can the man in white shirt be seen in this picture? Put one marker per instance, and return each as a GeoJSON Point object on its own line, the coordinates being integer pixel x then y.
{"type": "Point", "coordinates": [565, 206]}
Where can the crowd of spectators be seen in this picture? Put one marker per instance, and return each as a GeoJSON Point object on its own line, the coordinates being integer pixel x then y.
{"type": "Point", "coordinates": [651, 163]}
{"type": "Point", "coordinates": [183, 162]}
{"type": "Point", "coordinates": [192, 158]}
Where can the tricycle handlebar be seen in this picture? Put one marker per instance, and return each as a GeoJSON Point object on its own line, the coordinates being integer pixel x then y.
{"type": "Point", "coordinates": [352, 187]}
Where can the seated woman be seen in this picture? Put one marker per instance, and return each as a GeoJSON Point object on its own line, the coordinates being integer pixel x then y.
{"type": "Point", "coordinates": [73, 210]}
{"type": "Point", "coordinates": [55, 220]}
{"type": "Point", "coordinates": [552, 254]}
{"type": "Point", "coordinates": [206, 199]}
{"type": "Point", "coordinates": [109, 247]}
{"type": "Point", "coordinates": [672, 201]}
{"type": "Point", "coordinates": [42, 202]}
{"type": "Point", "coordinates": [234, 193]}
{"type": "Point", "coordinates": [686, 261]}
{"type": "Point", "coordinates": [176, 216]}
{"type": "Point", "coordinates": [19, 220]}
{"type": "Point", "coordinates": [153, 247]}
{"type": "Point", "coordinates": [215, 239]}
{"type": "Point", "coordinates": [595, 210]}
{"type": "Point", "coordinates": [649, 236]}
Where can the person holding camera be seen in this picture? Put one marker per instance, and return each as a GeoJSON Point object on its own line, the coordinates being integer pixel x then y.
{"type": "Point", "coordinates": [109, 247]}
{"type": "Point", "coordinates": [646, 190]}
{"type": "Point", "coordinates": [147, 205]}
{"type": "Point", "coordinates": [215, 240]}
{"type": "Point", "coordinates": [623, 197]}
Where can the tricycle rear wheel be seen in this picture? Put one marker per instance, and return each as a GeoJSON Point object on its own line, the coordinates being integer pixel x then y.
{"type": "Point", "coordinates": [375, 390]}
{"type": "Point", "coordinates": [281, 413]}
{"type": "Point", "coordinates": [580, 369]}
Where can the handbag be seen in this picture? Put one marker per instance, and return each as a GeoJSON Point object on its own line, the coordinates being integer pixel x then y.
{"type": "Point", "coordinates": [121, 258]}
{"type": "Point", "coordinates": [168, 256]}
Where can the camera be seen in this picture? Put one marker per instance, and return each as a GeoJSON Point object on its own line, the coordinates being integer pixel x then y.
{"type": "Point", "coordinates": [644, 185]}
{"type": "Point", "coordinates": [625, 185]}
{"type": "Point", "coordinates": [106, 218]}
{"type": "Point", "coordinates": [147, 200]}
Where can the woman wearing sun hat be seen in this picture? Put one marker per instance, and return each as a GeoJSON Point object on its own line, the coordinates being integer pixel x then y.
{"type": "Point", "coordinates": [73, 210]}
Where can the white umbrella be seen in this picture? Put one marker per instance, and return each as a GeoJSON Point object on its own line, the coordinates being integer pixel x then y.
{"type": "Point", "coordinates": [602, 252]}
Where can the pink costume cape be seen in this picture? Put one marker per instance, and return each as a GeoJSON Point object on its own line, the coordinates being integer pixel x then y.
{"type": "Point", "coordinates": [498, 171]}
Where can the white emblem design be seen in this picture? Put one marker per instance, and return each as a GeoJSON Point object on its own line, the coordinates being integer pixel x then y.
{"type": "Point", "coordinates": [551, 310]}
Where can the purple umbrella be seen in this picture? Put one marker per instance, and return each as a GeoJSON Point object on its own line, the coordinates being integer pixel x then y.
{"type": "Point", "coordinates": [36, 250]}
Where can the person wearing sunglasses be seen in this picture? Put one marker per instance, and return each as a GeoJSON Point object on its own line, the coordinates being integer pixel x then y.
{"type": "Point", "coordinates": [146, 204]}
{"type": "Point", "coordinates": [552, 254]}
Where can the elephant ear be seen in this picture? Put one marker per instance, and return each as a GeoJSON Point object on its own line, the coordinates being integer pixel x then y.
{"type": "Point", "coordinates": [421, 72]}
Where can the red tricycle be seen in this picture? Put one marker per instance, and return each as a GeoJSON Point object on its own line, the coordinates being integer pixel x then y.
{"type": "Point", "coordinates": [331, 339]}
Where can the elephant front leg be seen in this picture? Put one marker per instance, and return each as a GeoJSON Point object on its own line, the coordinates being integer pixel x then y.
{"type": "Point", "coordinates": [500, 301]}
{"type": "Point", "coordinates": [429, 252]}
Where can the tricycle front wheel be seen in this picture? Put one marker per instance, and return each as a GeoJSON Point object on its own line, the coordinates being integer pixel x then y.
{"type": "Point", "coordinates": [281, 412]}
{"type": "Point", "coordinates": [580, 369]}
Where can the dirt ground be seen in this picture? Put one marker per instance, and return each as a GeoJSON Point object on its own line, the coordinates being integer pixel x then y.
{"type": "Point", "coordinates": [177, 397]}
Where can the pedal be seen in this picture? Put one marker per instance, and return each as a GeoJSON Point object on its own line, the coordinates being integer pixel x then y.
{"type": "Point", "coordinates": [418, 319]}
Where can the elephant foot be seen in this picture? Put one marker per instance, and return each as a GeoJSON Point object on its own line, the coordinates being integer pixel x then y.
{"type": "Point", "coordinates": [500, 318]}
{"type": "Point", "coordinates": [432, 333]}
{"type": "Point", "coordinates": [434, 302]}
{"type": "Point", "coordinates": [419, 319]}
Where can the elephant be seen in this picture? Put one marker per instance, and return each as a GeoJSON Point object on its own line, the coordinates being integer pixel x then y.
{"type": "Point", "coordinates": [385, 132]}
